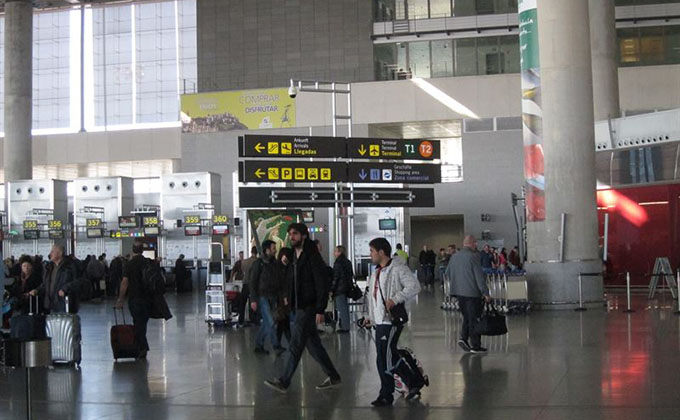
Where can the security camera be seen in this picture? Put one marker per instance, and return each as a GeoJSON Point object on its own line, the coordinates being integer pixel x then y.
{"type": "Point", "coordinates": [292, 90]}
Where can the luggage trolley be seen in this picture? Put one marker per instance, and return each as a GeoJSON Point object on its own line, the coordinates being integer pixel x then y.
{"type": "Point", "coordinates": [217, 308]}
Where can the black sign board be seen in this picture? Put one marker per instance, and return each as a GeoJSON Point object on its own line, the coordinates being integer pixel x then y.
{"type": "Point", "coordinates": [397, 173]}
{"type": "Point", "coordinates": [266, 197]}
{"type": "Point", "coordinates": [292, 147]}
{"type": "Point", "coordinates": [367, 148]}
{"type": "Point", "coordinates": [292, 171]}
{"type": "Point", "coordinates": [56, 234]}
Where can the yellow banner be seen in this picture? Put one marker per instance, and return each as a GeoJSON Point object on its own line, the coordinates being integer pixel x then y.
{"type": "Point", "coordinates": [237, 110]}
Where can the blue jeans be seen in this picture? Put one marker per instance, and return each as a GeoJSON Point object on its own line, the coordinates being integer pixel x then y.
{"type": "Point", "coordinates": [342, 306]}
{"type": "Point", "coordinates": [267, 328]}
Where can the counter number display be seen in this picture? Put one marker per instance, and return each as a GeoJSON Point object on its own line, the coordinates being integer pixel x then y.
{"type": "Point", "coordinates": [192, 220]}
{"type": "Point", "coordinates": [30, 225]}
{"type": "Point", "coordinates": [150, 221]}
{"type": "Point", "coordinates": [220, 219]}
{"type": "Point", "coordinates": [93, 223]}
{"type": "Point", "coordinates": [55, 224]}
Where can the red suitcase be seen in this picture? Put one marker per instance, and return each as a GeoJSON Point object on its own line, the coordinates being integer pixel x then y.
{"type": "Point", "coordinates": [123, 341]}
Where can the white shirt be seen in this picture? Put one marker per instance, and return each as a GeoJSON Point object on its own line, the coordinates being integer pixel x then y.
{"type": "Point", "coordinates": [378, 306]}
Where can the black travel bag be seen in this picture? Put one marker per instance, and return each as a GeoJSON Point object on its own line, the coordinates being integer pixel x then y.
{"type": "Point", "coordinates": [30, 326]}
{"type": "Point", "coordinates": [491, 322]}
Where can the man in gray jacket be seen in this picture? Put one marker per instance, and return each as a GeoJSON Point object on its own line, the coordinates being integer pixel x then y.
{"type": "Point", "coordinates": [468, 284]}
{"type": "Point", "coordinates": [390, 284]}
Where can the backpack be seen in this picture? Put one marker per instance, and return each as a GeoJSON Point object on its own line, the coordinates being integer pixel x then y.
{"type": "Point", "coordinates": [153, 282]}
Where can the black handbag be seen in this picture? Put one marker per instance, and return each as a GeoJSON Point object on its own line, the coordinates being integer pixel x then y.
{"type": "Point", "coordinates": [491, 322]}
{"type": "Point", "coordinates": [355, 293]}
{"type": "Point", "coordinates": [398, 312]}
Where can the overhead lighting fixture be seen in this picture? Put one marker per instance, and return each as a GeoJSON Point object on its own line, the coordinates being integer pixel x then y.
{"type": "Point", "coordinates": [445, 99]}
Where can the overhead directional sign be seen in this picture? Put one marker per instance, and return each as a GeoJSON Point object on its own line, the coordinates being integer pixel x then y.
{"type": "Point", "coordinates": [397, 173]}
{"type": "Point", "coordinates": [367, 148]}
{"type": "Point", "coordinates": [291, 171]}
{"type": "Point", "coordinates": [292, 146]}
{"type": "Point", "coordinates": [267, 197]}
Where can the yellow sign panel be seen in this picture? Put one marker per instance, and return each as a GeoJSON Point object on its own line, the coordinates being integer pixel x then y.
{"type": "Point", "coordinates": [287, 174]}
{"type": "Point", "coordinates": [273, 148]}
{"type": "Point", "coordinates": [286, 148]}
{"type": "Point", "coordinates": [273, 173]}
{"type": "Point", "coordinates": [237, 110]}
{"type": "Point", "coordinates": [374, 150]}
{"type": "Point", "coordinates": [325, 174]}
{"type": "Point", "coordinates": [313, 174]}
{"type": "Point", "coordinates": [300, 174]}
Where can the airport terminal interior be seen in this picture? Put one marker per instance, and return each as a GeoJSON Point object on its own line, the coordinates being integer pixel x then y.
{"type": "Point", "coordinates": [340, 209]}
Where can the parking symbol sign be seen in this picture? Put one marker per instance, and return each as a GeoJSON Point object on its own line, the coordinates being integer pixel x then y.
{"type": "Point", "coordinates": [387, 174]}
{"type": "Point", "coordinates": [375, 174]}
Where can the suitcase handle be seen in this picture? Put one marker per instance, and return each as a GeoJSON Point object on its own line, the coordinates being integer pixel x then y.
{"type": "Point", "coordinates": [30, 304]}
{"type": "Point", "coordinates": [66, 304]}
{"type": "Point", "coordinates": [115, 315]}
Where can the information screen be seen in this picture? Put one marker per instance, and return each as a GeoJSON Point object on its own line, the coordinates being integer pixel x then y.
{"type": "Point", "coordinates": [56, 234]}
{"type": "Point", "coordinates": [30, 224]}
{"type": "Point", "coordinates": [152, 231]}
{"type": "Point", "coordinates": [95, 233]}
{"type": "Point", "coordinates": [31, 234]}
{"type": "Point", "coordinates": [387, 224]}
{"type": "Point", "coordinates": [128, 222]}
{"type": "Point", "coordinates": [308, 216]}
{"type": "Point", "coordinates": [192, 231]}
{"type": "Point", "coordinates": [220, 230]}
{"type": "Point", "coordinates": [150, 221]}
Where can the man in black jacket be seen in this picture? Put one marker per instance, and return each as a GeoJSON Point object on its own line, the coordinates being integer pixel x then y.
{"type": "Point", "coordinates": [309, 297]}
{"type": "Point", "coordinates": [265, 293]}
{"type": "Point", "coordinates": [342, 284]}
{"type": "Point", "coordinates": [59, 282]}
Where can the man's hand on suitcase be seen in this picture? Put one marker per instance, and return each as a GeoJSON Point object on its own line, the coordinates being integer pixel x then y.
{"type": "Point", "coordinates": [320, 319]}
{"type": "Point", "coordinates": [118, 304]}
{"type": "Point", "coordinates": [253, 306]}
{"type": "Point", "coordinates": [487, 298]}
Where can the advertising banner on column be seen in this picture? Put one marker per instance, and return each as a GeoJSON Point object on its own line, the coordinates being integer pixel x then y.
{"type": "Point", "coordinates": [237, 110]}
{"type": "Point", "coordinates": [272, 225]}
{"type": "Point", "coordinates": [532, 112]}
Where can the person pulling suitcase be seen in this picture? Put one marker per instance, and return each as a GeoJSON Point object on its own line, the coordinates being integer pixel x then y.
{"type": "Point", "coordinates": [390, 286]}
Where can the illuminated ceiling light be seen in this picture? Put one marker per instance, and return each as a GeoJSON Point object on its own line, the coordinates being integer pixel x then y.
{"type": "Point", "coordinates": [445, 99]}
{"type": "Point", "coordinates": [653, 203]}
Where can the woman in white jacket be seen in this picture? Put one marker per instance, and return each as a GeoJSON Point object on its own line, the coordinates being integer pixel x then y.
{"type": "Point", "coordinates": [391, 284]}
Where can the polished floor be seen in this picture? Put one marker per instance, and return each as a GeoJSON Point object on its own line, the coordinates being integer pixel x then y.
{"type": "Point", "coordinates": [600, 364]}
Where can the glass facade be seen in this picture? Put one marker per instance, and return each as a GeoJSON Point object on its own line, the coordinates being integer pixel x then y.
{"type": "Point", "coordinates": [388, 10]}
{"type": "Point", "coordinates": [136, 56]}
{"type": "Point", "coordinates": [647, 46]}
{"type": "Point", "coordinates": [448, 57]}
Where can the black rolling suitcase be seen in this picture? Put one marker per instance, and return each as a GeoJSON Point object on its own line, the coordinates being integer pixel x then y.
{"type": "Point", "coordinates": [30, 326]}
{"type": "Point", "coordinates": [409, 376]}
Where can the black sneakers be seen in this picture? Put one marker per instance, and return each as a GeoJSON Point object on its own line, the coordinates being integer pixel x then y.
{"type": "Point", "coordinates": [463, 344]}
{"type": "Point", "coordinates": [479, 350]}
{"type": "Point", "coordinates": [329, 384]}
{"type": "Point", "coordinates": [276, 385]}
{"type": "Point", "coordinates": [381, 402]}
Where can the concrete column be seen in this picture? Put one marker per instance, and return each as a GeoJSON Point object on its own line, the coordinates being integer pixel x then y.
{"type": "Point", "coordinates": [18, 89]}
{"type": "Point", "coordinates": [605, 63]}
{"type": "Point", "coordinates": [569, 161]}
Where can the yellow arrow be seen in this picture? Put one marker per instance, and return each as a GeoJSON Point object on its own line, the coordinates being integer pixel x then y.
{"type": "Point", "coordinates": [259, 173]}
{"type": "Point", "coordinates": [362, 150]}
{"type": "Point", "coordinates": [259, 147]}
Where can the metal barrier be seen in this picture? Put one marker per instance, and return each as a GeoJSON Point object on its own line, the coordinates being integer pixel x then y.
{"type": "Point", "coordinates": [581, 308]}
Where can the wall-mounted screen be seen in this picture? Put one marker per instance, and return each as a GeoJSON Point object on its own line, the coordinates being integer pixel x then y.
{"type": "Point", "coordinates": [192, 231]}
{"type": "Point", "coordinates": [30, 235]}
{"type": "Point", "coordinates": [56, 234]}
{"type": "Point", "coordinates": [387, 224]}
{"type": "Point", "coordinates": [220, 230]}
{"type": "Point", "coordinates": [308, 216]}
{"type": "Point", "coordinates": [95, 233]}
{"type": "Point", "coordinates": [128, 222]}
{"type": "Point", "coordinates": [152, 231]}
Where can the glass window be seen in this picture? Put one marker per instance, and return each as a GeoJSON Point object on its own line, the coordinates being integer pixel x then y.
{"type": "Point", "coordinates": [400, 12]}
{"type": "Point", "coordinates": [385, 58]}
{"type": "Point", "coordinates": [418, 9]}
{"type": "Point", "coordinates": [489, 57]}
{"type": "Point", "coordinates": [402, 58]}
{"type": "Point", "coordinates": [464, 7]}
{"type": "Point", "coordinates": [383, 10]}
{"type": "Point", "coordinates": [440, 8]}
{"type": "Point", "coordinates": [419, 59]}
{"type": "Point", "coordinates": [442, 58]}
{"type": "Point", "coordinates": [466, 57]}
{"type": "Point", "coordinates": [510, 53]}
{"type": "Point", "coordinates": [652, 45]}
{"type": "Point", "coordinates": [672, 44]}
